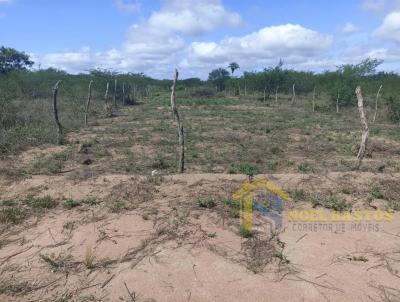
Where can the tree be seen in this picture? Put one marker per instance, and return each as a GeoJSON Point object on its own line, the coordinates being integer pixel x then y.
{"type": "Point", "coordinates": [218, 77]}
{"type": "Point", "coordinates": [233, 66]}
{"type": "Point", "coordinates": [11, 59]}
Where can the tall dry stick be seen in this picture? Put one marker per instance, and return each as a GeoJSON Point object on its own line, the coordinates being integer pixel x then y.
{"type": "Point", "coordinates": [265, 93]}
{"type": "Point", "coordinates": [364, 122]}
{"type": "Point", "coordinates": [55, 111]}
{"type": "Point", "coordinates": [88, 103]}
{"type": "Point", "coordinates": [337, 102]}
{"type": "Point", "coordinates": [181, 164]}
{"type": "Point", "coordinates": [376, 104]}
{"type": "Point", "coordinates": [276, 95]}
{"type": "Point", "coordinates": [294, 94]}
{"type": "Point", "coordinates": [115, 93]}
{"type": "Point", "coordinates": [123, 93]}
{"type": "Point", "coordinates": [313, 100]}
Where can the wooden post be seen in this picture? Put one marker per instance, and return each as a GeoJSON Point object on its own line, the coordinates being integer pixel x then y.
{"type": "Point", "coordinates": [55, 111]}
{"type": "Point", "coordinates": [181, 164]}
{"type": "Point", "coordinates": [364, 122]}
{"type": "Point", "coordinates": [123, 93]}
{"type": "Point", "coordinates": [106, 95]}
{"type": "Point", "coordinates": [88, 103]}
{"type": "Point", "coordinates": [115, 93]}
{"type": "Point", "coordinates": [313, 101]}
{"type": "Point", "coordinates": [265, 93]}
{"type": "Point", "coordinates": [294, 95]}
{"type": "Point", "coordinates": [337, 102]}
{"type": "Point", "coordinates": [376, 104]}
{"type": "Point", "coordinates": [276, 95]}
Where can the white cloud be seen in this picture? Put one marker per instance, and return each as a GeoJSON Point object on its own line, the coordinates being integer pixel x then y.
{"type": "Point", "coordinates": [374, 5]}
{"type": "Point", "coordinates": [5, 1]}
{"type": "Point", "coordinates": [268, 43]}
{"type": "Point", "coordinates": [390, 28]}
{"type": "Point", "coordinates": [193, 17]}
{"type": "Point", "coordinates": [128, 6]}
{"type": "Point", "coordinates": [349, 28]}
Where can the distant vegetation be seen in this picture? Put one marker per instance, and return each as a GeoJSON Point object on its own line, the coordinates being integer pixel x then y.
{"type": "Point", "coordinates": [25, 94]}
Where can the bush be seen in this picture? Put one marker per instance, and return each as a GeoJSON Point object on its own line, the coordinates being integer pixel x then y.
{"type": "Point", "coordinates": [393, 104]}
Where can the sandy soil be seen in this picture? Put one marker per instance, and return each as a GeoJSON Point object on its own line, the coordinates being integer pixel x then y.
{"type": "Point", "coordinates": [163, 247]}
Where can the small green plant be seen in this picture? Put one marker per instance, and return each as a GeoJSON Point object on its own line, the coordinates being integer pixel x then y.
{"type": "Point", "coordinates": [376, 193]}
{"type": "Point", "coordinates": [276, 150]}
{"type": "Point", "coordinates": [39, 203]}
{"type": "Point", "coordinates": [247, 169]}
{"type": "Point", "coordinates": [245, 232]}
{"type": "Point", "coordinates": [212, 235]}
{"type": "Point", "coordinates": [71, 203]}
{"type": "Point", "coordinates": [207, 203]}
{"type": "Point", "coordinates": [12, 215]}
{"type": "Point", "coordinates": [272, 165]}
{"type": "Point", "coordinates": [334, 203]}
{"type": "Point", "coordinates": [117, 207]}
{"type": "Point", "coordinates": [90, 201]}
{"type": "Point", "coordinates": [282, 258]}
{"type": "Point", "coordinates": [305, 168]}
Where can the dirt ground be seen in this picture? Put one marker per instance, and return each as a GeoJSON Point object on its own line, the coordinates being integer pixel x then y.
{"type": "Point", "coordinates": [86, 221]}
{"type": "Point", "coordinates": [161, 248]}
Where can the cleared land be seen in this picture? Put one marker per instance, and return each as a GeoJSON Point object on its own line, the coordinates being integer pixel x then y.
{"type": "Point", "coordinates": [85, 221]}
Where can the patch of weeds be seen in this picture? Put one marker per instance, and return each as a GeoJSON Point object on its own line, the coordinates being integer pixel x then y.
{"type": "Point", "coordinates": [39, 203]}
{"type": "Point", "coordinates": [234, 207]}
{"type": "Point", "coordinates": [8, 203]}
{"type": "Point", "coordinates": [212, 235]}
{"type": "Point", "coordinates": [376, 130]}
{"type": "Point", "coordinates": [12, 215]}
{"type": "Point", "coordinates": [71, 203]}
{"type": "Point", "coordinates": [245, 232]}
{"type": "Point", "coordinates": [207, 203]}
{"type": "Point", "coordinates": [377, 194]}
{"type": "Point", "coordinates": [358, 258]}
{"type": "Point", "coordinates": [92, 201]}
{"type": "Point", "coordinates": [12, 288]}
{"type": "Point", "coordinates": [299, 195]}
{"type": "Point", "coordinates": [305, 168]}
{"type": "Point", "coordinates": [337, 204]}
{"type": "Point", "coordinates": [58, 263]}
{"type": "Point", "coordinates": [117, 207]}
{"type": "Point", "coordinates": [276, 150]}
{"type": "Point", "coordinates": [394, 205]}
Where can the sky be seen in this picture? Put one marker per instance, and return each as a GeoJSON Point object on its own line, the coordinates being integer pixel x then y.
{"type": "Point", "coordinates": [196, 36]}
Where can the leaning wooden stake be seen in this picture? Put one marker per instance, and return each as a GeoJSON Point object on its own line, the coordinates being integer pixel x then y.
{"type": "Point", "coordinates": [294, 95]}
{"type": "Point", "coordinates": [376, 104]}
{"type": "Point", "coordinates": [123, 93]}
{"type": "Point", "coordinates": [364, 122]}
{"type": "Point", "coordinates": [265, 93]}
{"type": "Point", "coordinates": [313, 101]}
{"type": "Point", "coordinates": [55, 111]}
{"type": "Point", "coordinates": [337, 102]}
{"type": "Point", "coordinates": [115, 93]}
{"type": "Point", "coordinates": [181, 164]}
{"type": "Point", "coordinates": [88, 103]}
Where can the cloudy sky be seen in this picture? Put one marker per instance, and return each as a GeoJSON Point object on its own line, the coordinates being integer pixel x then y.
{"type": "Point", "coordinates": [155, 36]}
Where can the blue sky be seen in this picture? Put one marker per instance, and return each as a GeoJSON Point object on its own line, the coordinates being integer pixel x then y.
{"type": "Point", "coordinates": [153, 36]}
